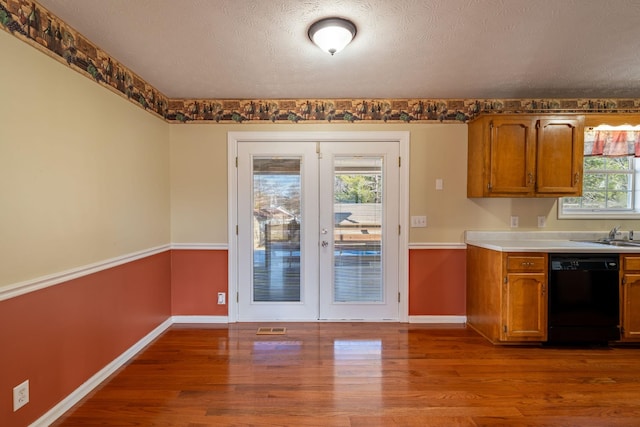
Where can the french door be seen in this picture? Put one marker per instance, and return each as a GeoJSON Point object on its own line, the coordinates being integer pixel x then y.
{"type": "Point", "coordinates": [318, 226]}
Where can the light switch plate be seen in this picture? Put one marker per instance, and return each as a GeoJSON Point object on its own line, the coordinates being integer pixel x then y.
{"type": "Point", "coordinates": [418, 221]}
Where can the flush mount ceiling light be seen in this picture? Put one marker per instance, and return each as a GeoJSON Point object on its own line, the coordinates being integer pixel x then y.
{"type": "Point", "coordinates": [332, 34]}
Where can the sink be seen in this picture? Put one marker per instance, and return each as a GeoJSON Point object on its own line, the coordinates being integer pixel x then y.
{"type": "Point", "coordinates": [623, 243]}
{"type": "Point", "coordinates": [615, 242]}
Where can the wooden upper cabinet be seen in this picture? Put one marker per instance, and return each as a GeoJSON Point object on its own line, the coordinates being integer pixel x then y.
{"type": "Point", "coordinates": [511, 156]}
{"type": "Point", "coordinates": [559, 150]}
{"type": "Point", "coordinates": [523, 155]}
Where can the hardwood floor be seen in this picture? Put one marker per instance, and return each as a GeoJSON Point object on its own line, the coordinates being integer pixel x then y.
{"type": "Point", "coordinates": [362, 374]}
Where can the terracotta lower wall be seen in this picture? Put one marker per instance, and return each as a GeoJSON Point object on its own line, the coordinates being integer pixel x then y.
{"type": "Point", "coordinates": [61, 336]}
{"type": "Point", "coordinates": [196, 278]}
{"type": "Point", "coordinates": [437, 282]}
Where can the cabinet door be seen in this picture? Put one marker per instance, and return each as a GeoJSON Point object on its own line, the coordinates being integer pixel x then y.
{"type": "Point", "coordinates": [631, 307]}
{"type": "Point", "coordinates": [512, 156]}
{"type": "Point", "coordinates": [559, 148]}
{"type": "Point", "coordinates": [524, 310]}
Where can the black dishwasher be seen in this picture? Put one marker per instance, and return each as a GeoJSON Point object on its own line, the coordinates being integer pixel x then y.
{"type": "Point", "coordinates": [584, 299]}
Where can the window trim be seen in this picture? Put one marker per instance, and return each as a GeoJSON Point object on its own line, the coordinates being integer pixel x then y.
{"type": "Point", "coordinates": [609, 214]}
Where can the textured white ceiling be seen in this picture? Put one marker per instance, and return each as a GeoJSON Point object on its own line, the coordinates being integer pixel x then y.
{"type": "Point", "coordinates": [404, 48]}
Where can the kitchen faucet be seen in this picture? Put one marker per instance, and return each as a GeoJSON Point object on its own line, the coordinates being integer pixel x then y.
{"type": "Point", "coordinates": [614, 232]}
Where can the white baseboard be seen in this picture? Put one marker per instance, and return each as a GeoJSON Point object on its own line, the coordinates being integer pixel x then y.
{"type": "Point", "coordinates": [200, 319]}
{"type": "Point", "coordinates": [65, 404]}
{"type": "Point", "coordinates": [437, 319]}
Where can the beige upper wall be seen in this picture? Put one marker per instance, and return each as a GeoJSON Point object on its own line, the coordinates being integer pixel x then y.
{"type": "Point", "coordinates": [437, 151]}
{"type": "Point", "coordinates": [199, 183]}
{"type": "Point", "coordinates": [84, 174]}
{"type": "Point", "coordinates": [87, 176]}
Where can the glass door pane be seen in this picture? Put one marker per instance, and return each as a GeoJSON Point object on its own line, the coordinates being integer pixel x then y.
{"type": "Point", "coordinates": [358, 218]}
{"type": "Point", "coordinates": [317, 231]}
{"type": "Point", "coordinates": [276, 229]}
{"type": "Point", "coordinates": [359, 205]}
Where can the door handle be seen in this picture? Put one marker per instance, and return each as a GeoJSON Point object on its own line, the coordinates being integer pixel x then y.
{"type": "Point", "coordinates": [325, 243]}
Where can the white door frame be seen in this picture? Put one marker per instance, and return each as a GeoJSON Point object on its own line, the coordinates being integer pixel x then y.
{"type": "Point", "coordinates": [233, 138]}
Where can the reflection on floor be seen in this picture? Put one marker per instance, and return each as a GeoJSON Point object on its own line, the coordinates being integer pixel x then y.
{"type": "Point", "coordinates": [361, 375]}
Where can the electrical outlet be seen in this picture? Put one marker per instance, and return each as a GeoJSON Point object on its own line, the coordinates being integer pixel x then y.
{"type": "Point", "coordinates": [20, 395]}
{"type": "Point", "coordinates": [439, 184]}
{"type": "Point", "coordinates": [542, 221]}
{"type": "Point", "coordinates": [514, 221]}
{"type": "Point", "coordinates": [222, 297]}
{"type": "Point", "coordinates": [418, 221]}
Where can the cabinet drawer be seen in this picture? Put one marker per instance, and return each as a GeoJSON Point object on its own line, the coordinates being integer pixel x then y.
{"type": "Point", "coordinates": [631, 263]}
{"type": "Point", "coordinates": [526, 263]}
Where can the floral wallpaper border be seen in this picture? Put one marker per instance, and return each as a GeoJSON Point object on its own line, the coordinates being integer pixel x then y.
{"type": "Point", "coordinates": [32, 23]}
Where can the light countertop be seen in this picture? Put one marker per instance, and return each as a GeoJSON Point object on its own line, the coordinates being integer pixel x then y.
{"type": "Point", "coordinates": [552, 242]}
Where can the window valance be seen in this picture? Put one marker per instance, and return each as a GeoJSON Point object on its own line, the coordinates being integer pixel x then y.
{"type": "Point", "coordinates": [611, 143]}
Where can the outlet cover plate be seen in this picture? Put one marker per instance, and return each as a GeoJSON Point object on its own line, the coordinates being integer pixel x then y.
{"type": "Point", "coordinates": [20, 395]}
{"type": "Point", "coordinates": [542, 221]}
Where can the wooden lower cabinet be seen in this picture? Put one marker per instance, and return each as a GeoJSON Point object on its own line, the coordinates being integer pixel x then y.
{"type": "Point", "coordinates": [524, 314]}
{"type": "Point", "coordinates": [630, 297]}
{"type": "Point", "coordinates": [507, 295]}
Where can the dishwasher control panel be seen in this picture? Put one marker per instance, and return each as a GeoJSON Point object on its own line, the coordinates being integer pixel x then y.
{"type": "Point", "coordinates": [584, 263]}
